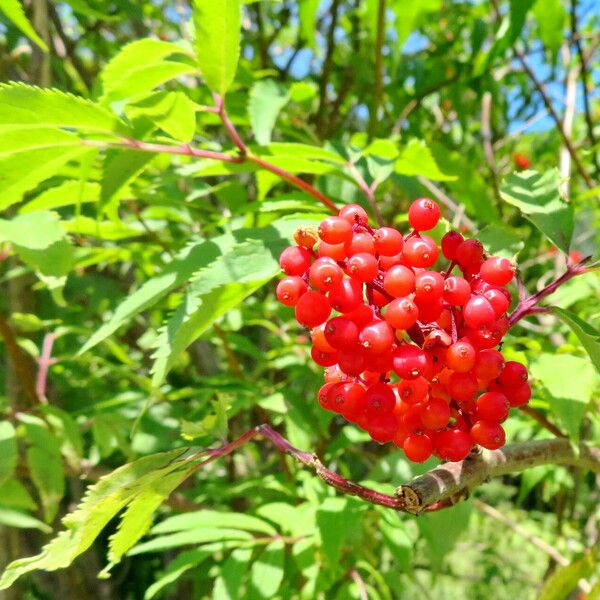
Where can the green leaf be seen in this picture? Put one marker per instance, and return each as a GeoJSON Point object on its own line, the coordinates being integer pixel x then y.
{"type": "Point", "coordinates": [588, 336]}
{"type": "Point", "coordinates": [229, 581]}
{"type": "Point", "coordinates": [14, 494]}
{"type": "Point", "coordinates": [137, 518]}
{"type": "Point", "coordinates": [452, 522]}
{"type": "Point", "coordinates": [337, 520]}
{"type": "Point", "coordinates": [30, 105]}
{"type": "Point", "coordinates": [101, 503]}
{"type": "Point", "coordinates": [266, 573]}
{"type": "Point", "coordinates": [538, 197]}
{"type": "Point", "coordinates": [416, 159]}
{"type": "Point", "coordinates": [564, 580]}
{"type": "Point", "coordinates": [8, 451]}
{"type": "Point", "coordinates": [67, 193]}
{"type": "Point", "coordinates": [14, 11]}
{"type": "Point", "coordinates": [307, 14]}
{"type": "Point", "coordinates": [501, 241]}
{"type": "Point", "coordinates": [173, 112]}
{"type": "Point", "coordinates": [44, 462]}
{"type": "Point", "coordinates": [48, 251]}
{"type": "Point", "coordinates": [14, 518]}
{"type": "Point", "coordinates": [410, 14]}
{"type": "Point", "coordinates": [211, 519]}
{"type": "Point", "coordinates": [140, 67]}
{"type": "Point", "coordinates": [396, 538]}
{"type": "Point", "coordinates": [571, 382]}
{"type": "Point", "coordinates": [267, 98]}
{"type": "Point", "coordinates": [218, 39]}
{"type": "Point", "coordinates": [551, 18]}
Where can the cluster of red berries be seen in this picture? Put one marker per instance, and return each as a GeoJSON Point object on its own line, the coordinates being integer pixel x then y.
{"type": "Point", "coordinates": [411, 355]}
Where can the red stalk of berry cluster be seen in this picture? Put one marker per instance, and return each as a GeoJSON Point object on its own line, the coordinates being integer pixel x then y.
{"type": "Point", "coordinates": [411, 355]}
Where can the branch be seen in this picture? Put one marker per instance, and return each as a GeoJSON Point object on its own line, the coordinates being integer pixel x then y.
{"type": "Point", "coordinates": [455, 481]}
{"type": "Point", "coordinates": [444, 485]}
{"type": "Point", "coordinates": [378, 83]}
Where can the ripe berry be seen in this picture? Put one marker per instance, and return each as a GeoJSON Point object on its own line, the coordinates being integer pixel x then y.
{"type": "Point", "coordinates": [382, 428]}
{"type": "Point", "coordinates": [351, 361]}
{"type": "Point", "coordinates": [518, 395]}
{"type": "Point", "coordinates": [497, 270]}
{"type": "Point", "coordinates": [363, 267]}
{"type": "Point", "coordinates": [335, 230]}
{"type": "Point", "coordinates": [423, 214]}
{"type": "Point", "coordinates": [335, 251]}
{"type": "Point", "coordinates": [324, 274]}
{"type": "Point", "coordinates": [457, 290]}
{"type": "Point", "coordinates": [354, 214]}
{"type": "Point", "coordinates": [324, 359]}
{"type": "Point", "coordinates": [349, 400]}
{"type": "Point", "coordinates": [493, 406]}
{"type": "Point", "coordinates": [409, 361]}
{"type": "Point", "coordinates": [346, 296]}
{"type": "Point", "coordinates": [361, 242]}
{"type": "Point", "coordinates": [420, 252]}
{"type": "Point", "coordinates": [478, 312]}
{"type": "Point", "coordinates": [324, 395]}
{"type": "Point", "coordinates": [319, 340]}
{"type": "Point", "coordinates": [401, 313]}
{"type": "Point", "coordinates": [498, 299]}
{"type": "Point", "coordinates": [312, 309]}
{"type": "Point", "coordinates": [453, 444]}
{"type": "Point", "coordinates": [488, 434]}
{"type": "Point", "coordinates": [399, 281]}
{"type": "Point", "coordinates": [290, 289]}
{"type": "Point", "coordinates": [341, 333]}
{"type": "Point", "coordinates": [377, 337]}
{"type": "Point", "coordinates": [429, 286]}
{"type": "Point", "coordinates": [413, 391]}
{"type": "Point", "coordinates": [469, 252]}
{"type": "Point", "coordinates": [429, 311]}
{"type": "Point", "coordinates": [513, 374]}
{"type": "Point", "coordinates": [460, 356]}
{"type": "Point", "coordinates": [488, 365]}
{"type": "Point", "coordinates": [450, 242]}
{"type": "Point", "coordinates": [380, 399]}
{"type": "Point", "coordinates": [418, 448]}
{"type": "Point", "coordinates": [435, 414]}
{"type": "Point", "coordinates": [462, 386]}
{"type": "Point", "coordinates": [388, 241]}
{"type": "Point", "coordinates": [295, 260]}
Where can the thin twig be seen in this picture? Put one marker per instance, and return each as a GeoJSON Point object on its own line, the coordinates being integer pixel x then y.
{"type": "Point", "coordinates": [44, 362]}
{"type": "Point", "coordinates": [542, 420]}
{"type": "Point", "coordinates": [368, 191]}
{"type": "Point", "coordinates": [360, 584]}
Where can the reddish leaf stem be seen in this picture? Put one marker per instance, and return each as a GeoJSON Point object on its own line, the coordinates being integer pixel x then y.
{"type": "Point", "coordinates": [44, 362]}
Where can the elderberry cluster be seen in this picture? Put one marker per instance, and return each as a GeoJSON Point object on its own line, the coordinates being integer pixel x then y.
{"type": "Point", "coordinates": [410, 353]}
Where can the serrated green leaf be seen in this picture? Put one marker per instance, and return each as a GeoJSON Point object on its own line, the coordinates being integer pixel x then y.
{"type": "Point", "coordinates": [266, 573]}
{"type": "Point", "coordinates": [67, 193]}
{"type": "Point", "coordinates": [416, 159]}
{"type": "Point", "coordinates": [140, 67]}
{"type": "Point", "coordinates": [564, 580]}
{"type": "Point", "coordinates": [501, 241]}
{"type": "Point", "coordinates": [588, 336]}
{"type": "Point", "coordinates": [538, 197]}
{"type": "Point", "coordinates": [137, 518]}
{"type": "Point", "coordinates": [8, 451]}
{"type": "Point", "coordinates": [267, 98]}
{"type": "Point", "coordinates": [291, 150]}
{"type": "Point", "coordinates": [30, 105]}
{"type": "Point", "coordinates": [173, 112]}
{"type": "Point", "coordinates": [14, 11]}
{"type": "Point", "coordinates": [101, 503]}
{"type": "Point", "coordinates": [218, 39]}
{"type": "Point", "coordinates": [212, 519]}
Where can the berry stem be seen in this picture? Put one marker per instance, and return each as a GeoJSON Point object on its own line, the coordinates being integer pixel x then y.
{"type": "Point", "coordinates": [528, 306]}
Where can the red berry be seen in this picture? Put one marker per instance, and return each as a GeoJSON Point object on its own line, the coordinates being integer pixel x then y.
{"type": "Point", "coordinates": [518, 395]}
{"type": "Point", "coordinates": [346, 296]}
{"type": "Point", "coordinates": [295, 260]}
{"type": "Point", "coordinates": [335, 251]}
{"type": "Point", "coordinates": [361, 242]}
{"type": "Point", "coordinates": [324, 395]}
{"type": "Point", "coordinates": [429, 311]}
{"type": "Point", "coordinates": [469, 252]}
{"type": "Point", "coordinates": [513, 374]}
{"type": "Point", "coordinates": [457, 290]}
{"type": "Point", "coordinates": [420, 252]}
{"type": "Point", "coordinates": [312, 309]}
{"type": "Point", "coordinates": [351, 361]}
{"type": "Point", "coordinates": [453, 444]}
{"type": "Point", "coordinates": [323, 359]}
{"type": "Point", "coordinates": [462, 386]}
{"type": "Point", "coordinates": [354, 214]}
{"type": "Point", "coordinates": [521, 161]}
{"type": "Point", "coordinates": [460, 356]}
{"type": "Point", "coordinates": [399, 281]}
{"type": "Point", "coordinates": [418, 448]}
{"type": "Point", "coordinates": [429, 286]}
{"type": "Point", "coordinates": [319, 340]}
{"type": "Point", "coordinates": [478, 312]}
{"type": "Point", "coordinates": [290, 290]}
{"type": "Point", "coordinates": [413, 391]}
{"type": "Point", "coordinates": [498, 299]}
{"type": "Point", "coordinates": [388, 241]}
{"type": "Point", "coordinates": [341, 333]}
{"type": "Point", "coordinates": [380, 399]}
{"type": "Point", "coordinates": [488, 365]}
{"type": "Point", "coordinates": [488, 434]}
{"type": "Point", "coordinates": [363, 267]}
{"type": "Point", "coordinates": [435, 414]}
{"type": "Point", "coordinates": [497, 270]}
{"type": "Point", "coordinates": [377, 337]}
{"type": "Point", "coordinates": [450, 242]}
{"type": "Point", "coordinates": [335, 230]}
{"type": "Point", "coordinates": [401, 313]}
{"type": "Point", "coordinates": [493, 406]}
{"type": "Point", "coordinates": [382, 428]}
{"type": "Point", "coordinates": [349, 399]}
{"type": "Point", "coordinates": [409, 361]}
{"type": "Point", "coordinates": [324, 274]}
{"type": "Point", "coordinates": [423, 214]}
